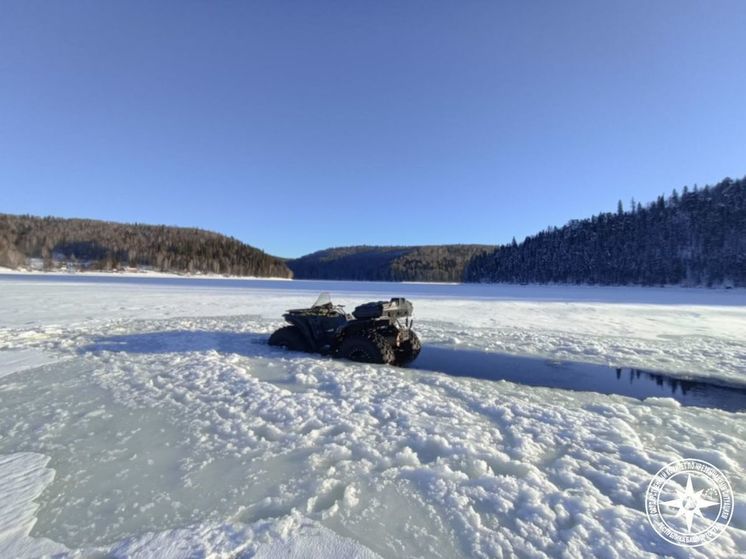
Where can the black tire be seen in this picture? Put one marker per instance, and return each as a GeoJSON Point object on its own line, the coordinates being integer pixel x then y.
{"type": "Point", "coordinates": [290, 338]}
{"type": "Point", "coordinates": [409, 350]}
{"type": "Point", "coordinates": [366, 347]}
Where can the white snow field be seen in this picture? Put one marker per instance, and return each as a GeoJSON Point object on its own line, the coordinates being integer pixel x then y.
{"type": "Point", "coordinates": [148, 418]}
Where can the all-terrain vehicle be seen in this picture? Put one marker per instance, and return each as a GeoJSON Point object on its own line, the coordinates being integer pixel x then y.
{"type": "Point", "coordinates": [376, 332]}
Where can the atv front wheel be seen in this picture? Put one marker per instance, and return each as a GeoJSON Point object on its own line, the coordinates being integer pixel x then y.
{"type": "Point", "coordinates": [288, 337]}
{"type": "Point", "coordinates": [408, 350]}
{"type": "Point", "coordinates": [367, 348]}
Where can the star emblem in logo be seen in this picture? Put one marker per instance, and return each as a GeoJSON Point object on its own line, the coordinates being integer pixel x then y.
{"type": "Point", "coordinates": [690, 503]}
{"type": "Point", "coordinates": [691, 527]}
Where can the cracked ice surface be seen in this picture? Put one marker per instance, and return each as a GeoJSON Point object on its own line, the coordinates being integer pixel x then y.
{"type": "Point", "coordinates": [156, 422]}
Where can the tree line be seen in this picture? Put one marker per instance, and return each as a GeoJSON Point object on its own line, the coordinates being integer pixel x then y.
{"type": "Point", "coordinates": [693, 237]}
{"type": "Point", "coordinates": [102, 245]}
{"type": "Point", "coordinates": [445, 263]}
{"type": "Point", "coordinates": [696, 237]}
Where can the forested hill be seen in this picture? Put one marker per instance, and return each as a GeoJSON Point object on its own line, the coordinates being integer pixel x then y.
{"type": "Point", "coordinates": [696, 237]}
{"type": "Point", "coordinates": [103, 245]}
{"type": "Point", "coordinates": [401, 263]}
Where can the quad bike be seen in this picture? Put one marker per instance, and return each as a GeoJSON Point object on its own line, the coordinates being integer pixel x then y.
{"type": "Point", "coordinates": [377, 332]}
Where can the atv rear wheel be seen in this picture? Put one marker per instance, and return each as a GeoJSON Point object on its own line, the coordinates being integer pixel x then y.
{"type": "Point", "coordinates": [288, 337]}
{"type": "Point", "coordinates": [367, 348]}
{"type": "Point", "coordinates": [408, 350]}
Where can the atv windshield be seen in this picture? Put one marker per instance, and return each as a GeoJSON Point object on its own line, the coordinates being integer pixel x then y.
{"type": "Point", "coordinates": [323, 300]}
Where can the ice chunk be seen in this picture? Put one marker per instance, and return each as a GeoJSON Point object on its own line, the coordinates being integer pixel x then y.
{"type": "Point", "coordinates": [15, 360]}
{"type": "Point", "coordinates": [23, 477]}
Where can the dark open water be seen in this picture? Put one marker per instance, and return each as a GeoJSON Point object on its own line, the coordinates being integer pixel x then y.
{"type": "Point", "coordinates": [588, 377]}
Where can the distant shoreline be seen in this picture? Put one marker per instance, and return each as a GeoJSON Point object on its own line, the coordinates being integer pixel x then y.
{"type": "Point", "coordinates": [518, 287]}
{"type": "Point", "coordinates": [133, 273]}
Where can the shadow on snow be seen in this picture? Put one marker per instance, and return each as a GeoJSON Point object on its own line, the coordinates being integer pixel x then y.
{"type": "Point", "coordinates": [248, 344]}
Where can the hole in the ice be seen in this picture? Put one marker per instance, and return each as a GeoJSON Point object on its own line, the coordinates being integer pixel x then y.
{"type": "Point", "coordinates": [458, 362]}
{"type": "Point", "coordinates": [586, 377]}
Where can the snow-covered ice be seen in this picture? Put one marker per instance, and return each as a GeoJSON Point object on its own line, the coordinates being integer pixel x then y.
{"type": "Point", "coordinates": [151, 419]}
{"type": "Point", "coordinates": [15, 360]}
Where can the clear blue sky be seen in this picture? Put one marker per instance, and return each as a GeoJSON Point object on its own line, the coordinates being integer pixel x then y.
{"type": "Point", "coordinates": [296, 126]}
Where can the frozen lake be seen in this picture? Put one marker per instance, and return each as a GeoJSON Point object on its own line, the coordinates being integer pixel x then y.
{"type": "Point", "coordinates": [605, 294]}
{"type": "Point", "coordinates": [147, 415]}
